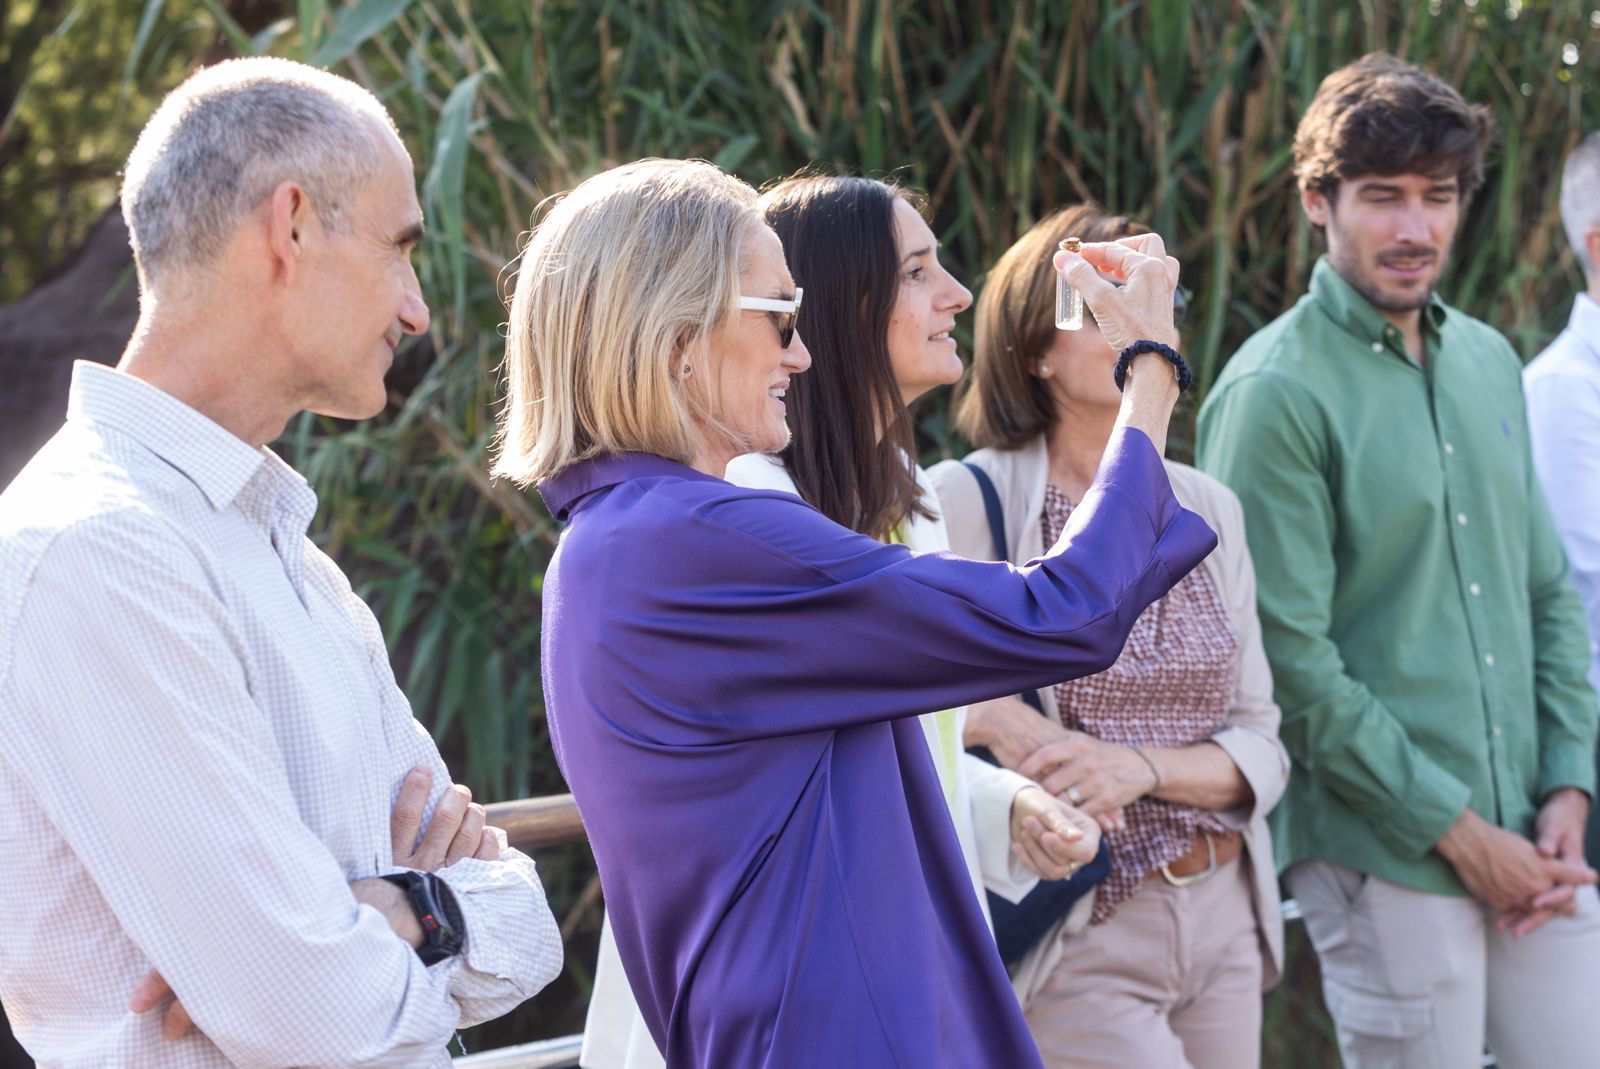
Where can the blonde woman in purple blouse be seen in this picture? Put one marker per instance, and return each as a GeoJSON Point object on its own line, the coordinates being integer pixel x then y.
{"type": "Point", "coordinates": [732, 680]}
{"type": "Point", "coordinates": [1174, 749]}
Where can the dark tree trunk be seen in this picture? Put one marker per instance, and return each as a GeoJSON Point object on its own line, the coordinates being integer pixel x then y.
{"type": "Point", "coordinates": [85, 312]}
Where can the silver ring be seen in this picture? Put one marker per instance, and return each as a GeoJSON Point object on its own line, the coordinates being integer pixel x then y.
{"type": "Point", "coordinates": [1074, 795]}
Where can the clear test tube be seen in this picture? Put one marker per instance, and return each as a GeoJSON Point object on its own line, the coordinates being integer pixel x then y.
{"type": "Point", "coordinates": [1069, 302]}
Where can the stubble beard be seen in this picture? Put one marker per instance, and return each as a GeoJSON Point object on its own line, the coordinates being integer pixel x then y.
{"type": "Point", "coordinates": [1385, 300]}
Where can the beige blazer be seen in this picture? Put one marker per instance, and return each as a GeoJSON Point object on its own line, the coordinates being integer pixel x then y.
{"type": "Point", "coordinates": [1250, 734]}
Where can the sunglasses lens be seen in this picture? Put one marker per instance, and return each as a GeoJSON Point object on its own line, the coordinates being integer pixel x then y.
{"type": "Point", "coordinates": [785, 328]}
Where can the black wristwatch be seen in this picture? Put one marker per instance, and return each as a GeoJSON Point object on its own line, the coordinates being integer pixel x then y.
{"type": "Point", "coordinates": [435, 906]}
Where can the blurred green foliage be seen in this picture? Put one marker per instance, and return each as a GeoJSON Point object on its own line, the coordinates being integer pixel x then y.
{"type": "Point", "coordinates": [1176, 111]}
{"type": "Point", "coordinates": [65, 127]}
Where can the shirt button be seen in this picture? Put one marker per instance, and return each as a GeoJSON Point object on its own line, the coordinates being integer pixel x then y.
{"type": "Point", "coordinates": [1495, 731]}
{"type": "Point", "coordinates": [1488, 659]}
{"type": "Point", "coordinates": [1474, 589]}
{"type": "Point", "coordinates": [1461, 519]}
{"type": "Point", "coordinates": [1449, 450]}
{"type": "Point", "coordinates": [1377, 346]}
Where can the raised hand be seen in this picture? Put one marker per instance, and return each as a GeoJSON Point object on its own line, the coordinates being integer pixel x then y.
{"type": "Point", "coordinates": [1141, 309]}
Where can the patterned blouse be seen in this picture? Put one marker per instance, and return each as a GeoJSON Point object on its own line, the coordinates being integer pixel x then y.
{"type": "Point", "coordinates": [1171, 687]}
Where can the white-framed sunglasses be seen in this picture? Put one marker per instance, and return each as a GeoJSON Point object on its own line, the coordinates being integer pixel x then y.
{"type": "Point", "coordinates": [784, 312]}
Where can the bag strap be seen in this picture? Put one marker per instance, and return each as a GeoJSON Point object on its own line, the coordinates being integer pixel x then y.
{"type": "Point", "coordinates": [997, 531]}
{"type": "Point", "coordinates": [991, 509]}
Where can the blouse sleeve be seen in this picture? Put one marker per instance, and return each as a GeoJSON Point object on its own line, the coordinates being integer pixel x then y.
{"type": "Point", "coordinates": [771, 620]}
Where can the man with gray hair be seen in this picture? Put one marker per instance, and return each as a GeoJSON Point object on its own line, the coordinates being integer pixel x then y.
{"type": "Point", "coordinates": [1562, 386]}
{"type": "Point", "coordinates": [227, 839]}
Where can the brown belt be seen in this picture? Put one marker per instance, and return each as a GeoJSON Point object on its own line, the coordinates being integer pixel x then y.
{"type": "Point", "coordinates": [1206, 855]}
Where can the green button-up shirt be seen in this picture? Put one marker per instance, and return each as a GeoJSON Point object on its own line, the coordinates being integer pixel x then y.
{"type": "Point", "coordinates": [1427, 650]}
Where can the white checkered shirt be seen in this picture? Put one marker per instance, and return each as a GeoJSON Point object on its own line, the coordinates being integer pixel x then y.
{"type": "Point", "coordinates": [201, 741]}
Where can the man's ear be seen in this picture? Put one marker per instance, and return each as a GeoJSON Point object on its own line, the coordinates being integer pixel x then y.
{"type": "Point", "coordinates": [1591, 245]}
{"type": "Point", "coordinates": [291, 223]}
{"type": "Point", "coordinates": [1317, 207]}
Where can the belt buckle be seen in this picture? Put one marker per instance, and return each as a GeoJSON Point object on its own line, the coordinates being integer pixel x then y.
{"type": "Point", "coordinates": [1194, 877]}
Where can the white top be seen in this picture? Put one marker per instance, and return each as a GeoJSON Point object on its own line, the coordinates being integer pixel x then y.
{"type": "Point", "coordinates": [1562, 385]}
{"type": "Point", "coordinates": [615, 1036]}
{"type": "Point", "coordinates": [202, 744]}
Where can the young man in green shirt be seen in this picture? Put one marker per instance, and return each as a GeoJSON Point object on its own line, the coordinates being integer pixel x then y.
{"type": "Point", "coordinates": [1428, 651]}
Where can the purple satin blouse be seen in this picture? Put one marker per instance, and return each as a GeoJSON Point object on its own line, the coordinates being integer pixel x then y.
{"type": "Point", "coordinates": [731, 682]}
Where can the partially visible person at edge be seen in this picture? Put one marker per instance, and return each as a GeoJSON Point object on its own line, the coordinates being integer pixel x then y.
{"type": "Point", "coordinates": [1426, 646]}
{"type": "Point", "coordinates": [1166, 967]}
{"type": "Point", "coordinates": [213, 787]}
{"type": "Point", "coordinates": [733, 680]}
{"type": "Point", "coordinates": [1563, 392]}
{"type": "Point", "coordinates": [877, 321]}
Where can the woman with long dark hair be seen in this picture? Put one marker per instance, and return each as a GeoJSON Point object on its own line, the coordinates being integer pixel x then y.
{"type": "Point", "coordinates": [881, 335]}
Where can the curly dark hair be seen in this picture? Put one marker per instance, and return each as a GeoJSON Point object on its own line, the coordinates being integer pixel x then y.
{"type": "Point", "coordinates": [1382, 116]}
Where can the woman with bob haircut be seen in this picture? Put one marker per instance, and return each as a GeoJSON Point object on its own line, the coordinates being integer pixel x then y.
{"type": "Point", "coordinates": [877, 321]}
{"type": "Point", "coordinates": [732, 680]}
{"type": "Point", "coordinates": [1179, 737]}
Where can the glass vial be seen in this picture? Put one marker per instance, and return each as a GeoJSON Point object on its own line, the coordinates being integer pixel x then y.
{"type": "Point", "coordinates": [1069, 302]}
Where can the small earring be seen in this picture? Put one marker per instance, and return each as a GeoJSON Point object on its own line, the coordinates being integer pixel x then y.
{"type": "Point", "coordinates": [1044, 371]}
{"type": "Point", "coordinates": [687, 368]}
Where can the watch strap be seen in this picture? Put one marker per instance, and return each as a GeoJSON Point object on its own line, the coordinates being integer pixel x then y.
{"type": "Point", "coordinates": [436, 910]}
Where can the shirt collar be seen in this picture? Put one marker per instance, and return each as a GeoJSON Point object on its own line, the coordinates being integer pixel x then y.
{"type": "Point", "coordinates": [218, 462]}
{"type": "Point", "coordinates": [1345, 305]}
{"type": "Point", "coordinates": [279, 501]}
{"type": "Point", "coordinates": [563, 492]}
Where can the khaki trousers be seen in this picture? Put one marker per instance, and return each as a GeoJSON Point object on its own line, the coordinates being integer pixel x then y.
{"type": "Point", "coordinates": [1421, 981]}
{"type": "Point", "coordinates": [1171, 981]}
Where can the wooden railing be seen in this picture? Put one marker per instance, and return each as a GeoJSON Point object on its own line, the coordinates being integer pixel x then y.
{"type": "Point", "coordinates": [534, 824]}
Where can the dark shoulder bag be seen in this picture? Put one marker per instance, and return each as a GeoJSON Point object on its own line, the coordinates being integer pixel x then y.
{"type": "Point", "coordinates": [1020, 925]}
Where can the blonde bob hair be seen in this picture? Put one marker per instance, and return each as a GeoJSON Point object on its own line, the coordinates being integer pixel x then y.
{"type": "Point", "coordinates": [622, 285]}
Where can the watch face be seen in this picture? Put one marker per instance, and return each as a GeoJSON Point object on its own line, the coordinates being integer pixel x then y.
{"type": "Point", "coordinates": [434, 906]}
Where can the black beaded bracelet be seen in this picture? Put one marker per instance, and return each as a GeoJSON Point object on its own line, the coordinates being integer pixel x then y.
{"type": "Point", "coordinates": [1175, 358]}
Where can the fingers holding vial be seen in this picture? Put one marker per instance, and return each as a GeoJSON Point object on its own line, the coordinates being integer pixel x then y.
{"type": "Point", "coordinates": [1139, 309]}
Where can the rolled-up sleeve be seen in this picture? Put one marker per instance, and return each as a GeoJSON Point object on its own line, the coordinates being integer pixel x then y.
{"type": "Point", "coordinates": [513, 946]}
